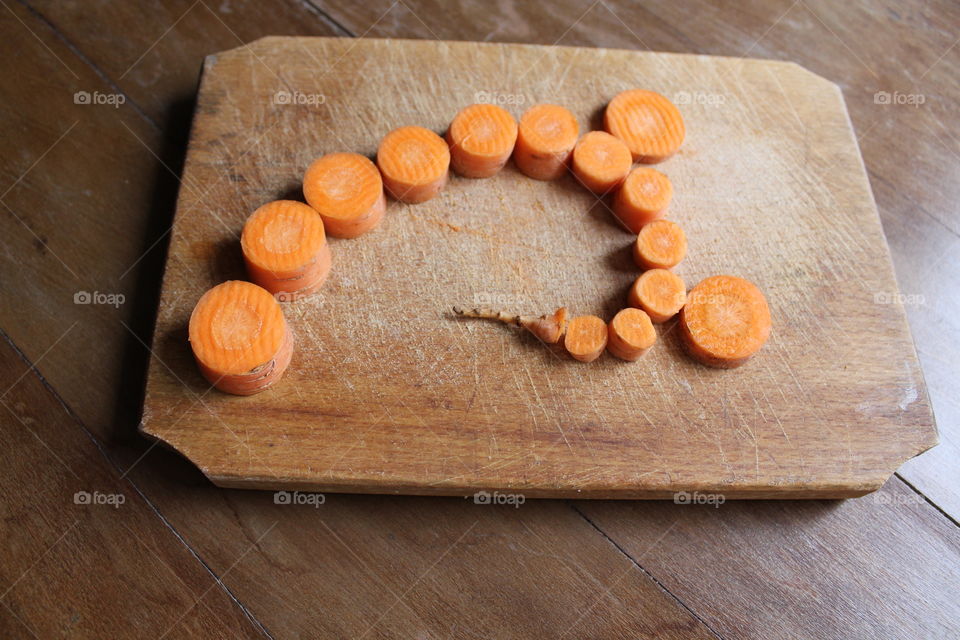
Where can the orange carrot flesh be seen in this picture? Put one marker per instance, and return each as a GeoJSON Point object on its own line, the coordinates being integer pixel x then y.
{"type": "Point", "coordinates": [481, 139]}
{"type": "Point", "coordinates": [649, 124]}
{"type": "Point", "coordinates": [601, 161]}
{"type": "Point", "coordinates": [660, 293]}
{"type": "Point", "coordinates": [725, 321]}
{"type": "Point", "coordinates": [285, 248]}
{"type": "Point", "coordinates": [347, 191]}
{"type": "Point", "coordinates": [414, 163]}
{"type": "Point", "coordinates": [631, 334]}
{"type": "Point", "coordinates": [546, 137]}
{"type": "Point", "coordinates": [240, 339]}
{"type": "Point", "coordinates": [586, 338]}
{"type": "Point", "coordinates": [660, 244]}
{"type": "Point", "coordinates": [643, 197]}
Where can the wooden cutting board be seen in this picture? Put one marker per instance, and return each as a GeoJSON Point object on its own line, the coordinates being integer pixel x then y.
{"type": "Point", "coordinates": [389, 393]}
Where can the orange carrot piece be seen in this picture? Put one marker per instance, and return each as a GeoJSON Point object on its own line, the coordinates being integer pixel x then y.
{"type": "Point", "coordinates": [643, 197]}
{"type": "Point", "coordinates": [660, 293]}
{"type": "Point", "coordinates": [601, 161]}
{"type": "Point", "coordinates": [660, 245]}
{"type": "Point", "coordinates": [240, 339]}
{"type": "Point", "coordinates": [415, 164]}
{"type": "Point", "coordinates": [548, 328]}
{"type": "Point", "coordinates": [481, 139]}
{"type": "Point", "coordinates": [347, 192]}
{"type": "Point", "coordinates": [586, 338]}
{"type": "Point", "coordinates": [285, 249]}
{"type": "Point", "coordinates": [631, 334]}
{"type": "Point", "coordinates": [647, 122]}
{"type": "Point", "coordinates": [545, 139]}
{"type": "Point", "coordinates": [725, 321]}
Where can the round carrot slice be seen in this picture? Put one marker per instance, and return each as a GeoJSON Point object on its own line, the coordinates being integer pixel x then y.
{"type": "Point", "coordinates": [660, 245]}
{"type": "Point", "coordinates": [545, 138]}
{"type": "Point", "coordinates": [239, 337]}
{"type": "Point", "coordinates": [601, 161]}
{"type": "Point", "coordinates": [414, 162]}
{"type": "Point", "coordinates": [285, 248]}
{"type": "Point", "coordinates": [481, 138]}
{"type": "Point", "coordinates": [649, 124]}
{"type": "Point", "coordinates": [660, 293]}
{"type": "Point", "coordinates": [631, 334]}
{"type": "Point", "coordinates": [643, 197]}
{"type": "Point", "coordinates": [725, 321]}
{"type": "Point", "coordinates": [347, 192]}
{"type": "Point", "coordinates": [586, 338]}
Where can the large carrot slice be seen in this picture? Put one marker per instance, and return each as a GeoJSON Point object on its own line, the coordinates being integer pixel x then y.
{"type": "Point", "coordinates": [285, 249]}
{"type": "Point", "coordinates": [660, 245]}
{"type": "Point", "coordinates": [414, 162]}
{"type": "Point", "coordinates": [586, 338]}
{"type": "Point", "coordinates": [660, 293]}
{"type": "Point", "coordinates": [631, 334]}
{"type": "Point", "coordinates": [545, 139]}
{"type": "Point", "coordinates": [481, 138]}
{"type": "Point", "coordinates": [725, 321]}
{"type": "Point", "coordinates": [601, 161]}
{"type": "Point", "coordinates": [240, 339]}
{"type": "Point", "coordinates": [347, 192]}
{"type": "Point", "coordinates": [643, 197]}
{"type": "Point", "coordinates": [647, 122]}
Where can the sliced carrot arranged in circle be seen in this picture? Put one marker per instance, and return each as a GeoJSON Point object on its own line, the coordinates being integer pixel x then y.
{"type": "Point", "coordinates": [649, 124]}
{"type": "Point", "coordinates": [586, 338]}
{"type": "Point", "coordinates": [643, 197]}
{"type": "Point", "coordinates": [630, 334]}
{"type": "Point", "coordinates": [414, 163]}
{"type": "Point", "coordinates": [546, 137]}
{"type": "Point", "coordinates": [661, 244]}
{"type": "Point", "coordinates": [347, 192]}
{"type": "Point", "coordinates": [725, 321]}
{"type": "Point", "coordinates": [285, 248]}
{"type": "Point", "coordinates": [481, 139]}
{"type": "Point", "coordinates": [660, 293]}
{"type": "Point", "coordinates": [240, 339]}
{"type": "Point", "coordinates": [601, 161]}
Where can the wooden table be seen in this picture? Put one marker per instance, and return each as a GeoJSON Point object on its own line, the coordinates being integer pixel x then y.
{"type": "Point", "coordinates": [108, 536]}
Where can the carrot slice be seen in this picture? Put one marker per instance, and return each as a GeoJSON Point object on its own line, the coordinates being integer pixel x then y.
{"type": "Point", "coordinates": [647, 122]}
{"type": "Point", "coordinates": [631, 334]}
{"type": "Point", "coordinates": [586, 338]}
{"type": "Point", "coordinates": [660, 245]}
{"type": "Point", "coordinates": [643, 197]}
{"type": "Point", "coordinates": [285, 249]}
{"type": "Point", "coordinates": [601, 161]}
{"type": "Point", "coordinates": [481, 139]}
{"type": "Point", "coordinates": [240, 339]}
{"type": "Point", "coordinates": [725, 321]}
{"type": "Point", "coordinates": [545, 139]}
{"type": "Point", "coordinates": [414, 162]}
{"type": "Point", "coordinates": [347, 192]}
{"type": "Point", "coordinates": [660, 293]}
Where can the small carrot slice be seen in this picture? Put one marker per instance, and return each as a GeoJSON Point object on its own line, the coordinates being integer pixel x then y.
{"type": "Point", "coordinates": [660, 293]}
{"type": "Point", "coordinates": [545, 139]}
{"type": "Point", "coordinates": [649, 124]}
{"type": "Point", "coordinates": [643, 197]}
{"type": "Point", "coordinates": [240, 339]}
{"type": "Point", "coordinates": [285, 248]}
{"type": "Point", "coordinates": [601, 161]}
{"type": "Point", "coordinates": [347, 192]}
{"type": "Point", "coordinates": [660, 245]}
{"type": "Point", "coordinates": [414, 162]}
{"type": "Point", "coordinates": [630, 334]}
{"type": "Point", "coordinates": [725, 321]}
{"type": "Point", "coordinates": [586, 338]}
{"type": "Point", "coordinates": [481, 139]}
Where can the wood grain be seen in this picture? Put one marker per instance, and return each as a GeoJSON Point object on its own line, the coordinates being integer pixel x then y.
{"type": "Point", "coordinates": [380, 384]}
